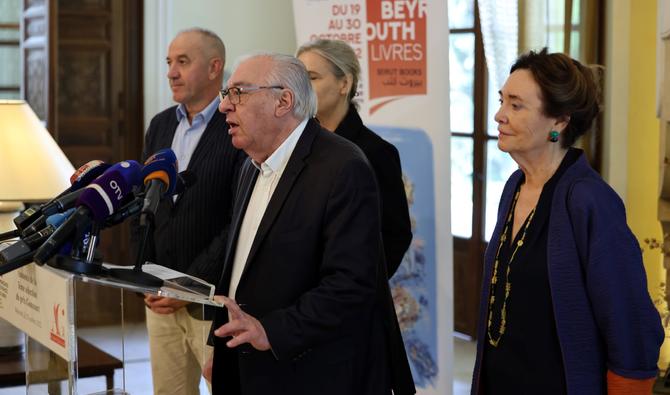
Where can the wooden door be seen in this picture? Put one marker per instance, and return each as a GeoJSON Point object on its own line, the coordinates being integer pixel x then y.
{"type": "Point", "coordinates": [82, 65]}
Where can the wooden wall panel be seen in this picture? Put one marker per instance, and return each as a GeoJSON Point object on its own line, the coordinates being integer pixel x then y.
{"type": "Point", "coordinates": [36, 58]}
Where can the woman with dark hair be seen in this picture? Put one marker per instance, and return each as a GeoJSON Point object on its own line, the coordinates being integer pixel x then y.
{"type": "Point", "coordinates": [565, 307]}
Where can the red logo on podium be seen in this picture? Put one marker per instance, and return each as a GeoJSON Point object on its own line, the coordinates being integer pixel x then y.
{"type": "Point", "coordinates": [57, 328]}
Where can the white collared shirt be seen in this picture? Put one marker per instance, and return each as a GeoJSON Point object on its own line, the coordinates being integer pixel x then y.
{"type": "Point", "coordinates": [268, 178]}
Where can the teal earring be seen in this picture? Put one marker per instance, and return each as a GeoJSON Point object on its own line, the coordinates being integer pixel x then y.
{"type": "Point", "coordinates": [553, 136]}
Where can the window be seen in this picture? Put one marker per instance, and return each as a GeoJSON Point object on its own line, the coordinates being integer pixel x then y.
{"type": "Point", "coordinates": [478, 169]}
{"type": "Point", "coordinates": [555, 21]}
{"type": "Point", "coordinates": [473, 129]}
{"type": "Point", "coordinates": [10, 72]}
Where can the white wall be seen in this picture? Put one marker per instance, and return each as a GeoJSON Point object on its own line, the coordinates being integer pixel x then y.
{"type": "Point", "coordinates": [615, 138]}
{"type": "Point", "coordinates": [244, 26]}
{"type": "Point", "coordinates": [663, 28]}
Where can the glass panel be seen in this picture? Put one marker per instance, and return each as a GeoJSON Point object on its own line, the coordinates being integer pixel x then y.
{"type": "Point", "coordinates": [10, 72]}
{"type": "Point", "coordinates": [575, 45]}
{"type": "Point", "coordinates": [10, 95]}
{"type": "Point", "coordinates": [576, 12]}
{"type": "Point", "coordinates": [461, 186]}
{"type": "Point", "coordinates": [461, 14]}
{"type": "Point", "coordinates": [10, 11]}
{"type": "Point", "coordinates": [461, 81]}
{"type": "Point", "coordinates": [499, 166]}
{"type": "Point", "coordinates": [555, 18]}
{"type": "Point", "coordinates": [9, 33]}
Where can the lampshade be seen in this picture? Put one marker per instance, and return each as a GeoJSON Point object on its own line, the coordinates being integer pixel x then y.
{"type": "Point", "coordinates": [32, 169]}
{"type": "Point", "coordinates": [32, 166]}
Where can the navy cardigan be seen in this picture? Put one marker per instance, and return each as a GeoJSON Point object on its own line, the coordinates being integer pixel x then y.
{"type": "Point", "coordinates": [604, 316]}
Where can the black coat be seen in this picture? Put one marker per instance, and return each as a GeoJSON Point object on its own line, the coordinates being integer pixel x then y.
{"type": "Point", "coordinates": [396, 235]}
{"type": "Point", "coordinates": [310, 278]}
{"type": "Point", "coordinates": [385, 161]}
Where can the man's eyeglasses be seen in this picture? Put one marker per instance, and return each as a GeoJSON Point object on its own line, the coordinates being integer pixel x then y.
{"type": "Point", "coordinates": [235, 93]}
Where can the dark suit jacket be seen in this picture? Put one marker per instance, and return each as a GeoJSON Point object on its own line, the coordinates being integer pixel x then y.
{"type": "Point", "coordinates": [310, 277]}
{"type": "Point", "coordinates": [396, 235]}
{"type": "Point", "coordinates": [385, 161]}
{"type": "Point", "coordinates": [185, 228]}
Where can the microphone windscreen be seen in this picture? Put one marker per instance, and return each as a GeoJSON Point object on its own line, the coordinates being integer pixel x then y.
{"type": "Point", "coordinates": [163, 166]}
{"type": "Point", "coordinates": [87, 173]}
{"type": "Point", "coordinates": [107, 192]}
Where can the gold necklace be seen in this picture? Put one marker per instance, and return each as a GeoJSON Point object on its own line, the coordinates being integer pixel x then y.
{"type": "Point", "coordinates": [508, 286]}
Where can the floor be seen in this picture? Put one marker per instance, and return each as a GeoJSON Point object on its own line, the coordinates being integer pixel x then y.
{"type": "Point", "coordinates": [464, 362]}
{"type": "Point", "coordinates": [138, 368]}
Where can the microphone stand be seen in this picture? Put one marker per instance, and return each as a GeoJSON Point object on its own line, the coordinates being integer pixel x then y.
{"type": "Point", "coordinates": [136, 275]}
{"type": "Point", "coordinates": [91, 264]}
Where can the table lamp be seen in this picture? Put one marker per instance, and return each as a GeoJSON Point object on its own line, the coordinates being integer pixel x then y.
{"type": "Point", "coordinates": [33, 169]}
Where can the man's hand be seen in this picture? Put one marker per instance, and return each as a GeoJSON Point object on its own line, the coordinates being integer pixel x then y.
{"type": "Point", "coordinates": [207, 369]}
{"type": "Point", "coordinates": [242, 327]}
{"type": "Point", "coordinates": [161, 305]}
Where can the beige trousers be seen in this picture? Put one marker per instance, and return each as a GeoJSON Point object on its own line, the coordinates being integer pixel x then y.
{"type": "Point", "coordinates": [179, 350]}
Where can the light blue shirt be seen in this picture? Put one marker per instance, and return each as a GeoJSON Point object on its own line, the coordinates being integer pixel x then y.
{"type": "Point", "coordinates": [187, 136]}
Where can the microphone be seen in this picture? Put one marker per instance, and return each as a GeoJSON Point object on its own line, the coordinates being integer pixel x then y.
{"type": "Point", "coordinates": [108, 192]}
{"type": "Point", "coordinates": [98, 200]}
{"type": "Point", "coordinates": [56, 205]}
{"type": "Point", "coordinates": [82, 177]}
{"type": "Point", "coordinates": [185, 180]}
{"type": "Point", "coordinates": [159, 174]}
{"type": "Point", "coordinates": [21, 253]}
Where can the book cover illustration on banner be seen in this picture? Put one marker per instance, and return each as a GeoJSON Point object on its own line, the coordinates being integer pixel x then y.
{"type": "Point", "coordinates": [413, 285]}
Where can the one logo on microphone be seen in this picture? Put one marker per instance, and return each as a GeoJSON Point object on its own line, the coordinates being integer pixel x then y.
{"type": "Point", "coordinates": [150, 159]}
{"type": "Point", "coordinates": [57, 333]}
{"type": "Point", "coordinates": [77, 174]}
{"type": "Point", "coordinates": [117, 189]}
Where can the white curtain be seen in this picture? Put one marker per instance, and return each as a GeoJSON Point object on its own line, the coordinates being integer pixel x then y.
{"type": "Point", "coordinates": [500, 30]}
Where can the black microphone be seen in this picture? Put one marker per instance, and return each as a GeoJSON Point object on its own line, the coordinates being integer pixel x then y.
{"type": "Point", "coordinates": [159, 174]}
{"type": "Point", "coordinates": [55, 206]}
{"type": "Point", "coordinates": [34, 218]}
{"type": "Point", "coordinates": [79, 218]}
{"type": "Point", "coordinates": [185, 180]}
{"type": "Point", "coordinates": [12, 234]}
{"type": "Point", "coordinates": [81, 178]}
{"type": "Point", "coordinates": [99, 200]}
{"type": "Point", "coordinates": [21, 253]}
{"type": "Point", "coordinates": [25, 248]}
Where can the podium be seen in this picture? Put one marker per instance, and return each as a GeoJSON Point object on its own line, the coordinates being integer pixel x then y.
{"type": "Point", "coordinates": [41, 301]}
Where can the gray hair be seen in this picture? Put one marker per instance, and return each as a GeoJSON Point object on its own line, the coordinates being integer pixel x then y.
{"type": "Point", "coordinates": [289, 72]}
{"type": "Point", "coordinates": [341, 57]}
{"type": "Point", "coordinates": [213, 45]}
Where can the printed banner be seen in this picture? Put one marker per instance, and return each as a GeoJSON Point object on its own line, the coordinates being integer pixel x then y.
{"type": "Point", "coordinates": [403, 95]}
{"type": "Point", "coordinates": [396, 34]}
{"type": "Point", "coordinates": [36, 300]}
